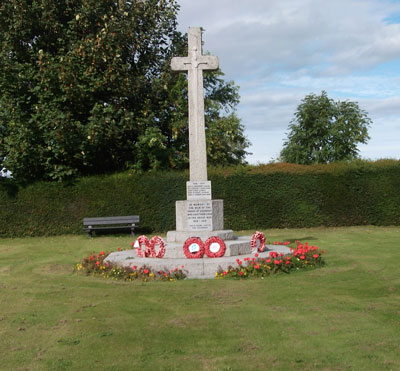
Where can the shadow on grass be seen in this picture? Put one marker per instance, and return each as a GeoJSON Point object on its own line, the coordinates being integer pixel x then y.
{"type": "Point", "coordinates": [303, 239]}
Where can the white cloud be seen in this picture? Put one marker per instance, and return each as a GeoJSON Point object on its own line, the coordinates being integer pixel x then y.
{"type": "Point", "coordinates": [280, 51]}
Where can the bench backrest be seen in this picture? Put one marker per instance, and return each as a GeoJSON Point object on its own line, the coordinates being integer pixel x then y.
{"type": "Point", "coordinates": [130, 219]}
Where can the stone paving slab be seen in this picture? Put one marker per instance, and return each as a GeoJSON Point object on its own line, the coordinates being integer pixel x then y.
{"type": "Point", "coordinates": [196, 268]}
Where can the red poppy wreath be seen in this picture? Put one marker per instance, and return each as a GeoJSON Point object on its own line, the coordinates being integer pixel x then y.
{"type": "Point", "coordinates": [193, 248]}
{"type": "Point", "coordinates": [258, 242]}
{"type": "Point", "coordinates": [157, 240]}
{"type": "Point", "coordinates": [215, 247]}
{"type": "Point", "coordinates": [142, 240]}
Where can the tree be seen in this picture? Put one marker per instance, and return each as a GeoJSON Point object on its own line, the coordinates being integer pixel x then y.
{"type": "Point", "coordinates": [325, 131]}
{"type": "Point", "coordinates": [86, 88]}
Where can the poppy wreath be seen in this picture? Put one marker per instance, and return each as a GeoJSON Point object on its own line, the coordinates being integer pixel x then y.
{"type": "Point", "coordinates": [143, 240]}
{"type": "Point", "coordinates": [214, 247]}
{"type": "Point", "coordinates": [157, 240]}
{"type": "Point", "coordinates": [256, 238]}
{"type": "Point", "coordinates": [187, 247]}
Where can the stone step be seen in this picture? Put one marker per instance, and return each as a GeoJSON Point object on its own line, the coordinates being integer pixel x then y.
{"type": "Point", "coordinates": [238, 246]}
{"type": "Point", "coordinates": [182, 236]}
{"type": "Point", "coordinates": [195, 268]}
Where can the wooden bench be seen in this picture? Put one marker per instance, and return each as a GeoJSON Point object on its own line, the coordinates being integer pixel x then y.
{"type": "Point", "coordinates": [107, 223]}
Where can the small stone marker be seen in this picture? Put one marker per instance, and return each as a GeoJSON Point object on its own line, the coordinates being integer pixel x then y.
{"type": "Point", "coordinates": [195, 63]}
{"type": "Point", "coordinates": [198, 190]}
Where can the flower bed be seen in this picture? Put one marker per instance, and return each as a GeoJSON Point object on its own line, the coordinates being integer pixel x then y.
{"type": "Point", "coordinates": [95, 265]}
{"type": "Point", "coordinates": [302, 256]}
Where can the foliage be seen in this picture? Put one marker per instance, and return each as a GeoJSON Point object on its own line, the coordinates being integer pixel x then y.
{"type": "Point", "coordinates": [95, 265]}
{"type": "Point", "coordinates": [268, 196]}
{"type": "Point", "coordinates": [86, 88]}
{"type": "Point", "coordinates": [302, 256]}
{"type": "Point", "coordinates": [325, 131]}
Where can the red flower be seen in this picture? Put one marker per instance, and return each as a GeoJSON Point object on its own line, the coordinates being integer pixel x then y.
{"type": "Point", "coordinates": [132, 243]}
{"type": "Point", "coordinates": [119, 249]}
{"type": "Point", "coordinates": [240, 273]}
{"type": "Point", "coordinates": [288, 258]}
{"type": "Point", "coordinates": [302, 257]}
{"type": "Point", "coordinates": [225, 273]}
{"type": "Point", "coordinates": [256, 255]}
{"type": "Point", "coordinates": [146, 271]}
{"type": "Point", "coordinates": [288, 262]}
{"type": "Point", "coordinates": [97, 263]}
{"type": "Point", "coordinates": [101, 252]}
{"type": "Point", "coordinates": [268, 260]}
{"type": "Point", "coordinates": [276, 262]}
{"type": "Point", "coordinates": [315, 256]}
{"type": "Point", "coordinates": [257, 266]}
{"type": "Point", "coordinates": [134, 267]}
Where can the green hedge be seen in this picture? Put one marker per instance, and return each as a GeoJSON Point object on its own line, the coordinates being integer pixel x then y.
{"type": "Point", "coordinates": [255, 197]}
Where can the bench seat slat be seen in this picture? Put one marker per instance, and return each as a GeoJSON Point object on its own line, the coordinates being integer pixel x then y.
{"type": "Point", "coordinates": [105, 228]}
{"type": "Point", "coordinates": [114, 217]}
{"type": "Point", "coordinates": [110, 222]}
{"type": "Point", "coordinates": [102, 222]}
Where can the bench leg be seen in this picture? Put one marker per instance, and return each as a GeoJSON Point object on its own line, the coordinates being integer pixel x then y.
{"type": "Point", "coordinates": [133, 230]}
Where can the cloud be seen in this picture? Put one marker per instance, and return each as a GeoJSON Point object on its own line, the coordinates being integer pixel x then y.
{"type": "Point", "coordinates": [292, 34]}
{"type": "Point", "coordinates": [280, 51]}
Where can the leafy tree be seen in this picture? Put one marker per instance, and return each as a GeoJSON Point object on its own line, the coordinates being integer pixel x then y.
{"type": "Point", "coordinates": [325, 131]}
{"type": "Point", "coordinates": [86, 88]}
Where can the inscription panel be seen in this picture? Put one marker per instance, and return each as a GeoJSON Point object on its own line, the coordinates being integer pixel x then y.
{"type": "Point", "coordinates": [198, 190]}
{"type": "Point", "coordinates": [200, 215]}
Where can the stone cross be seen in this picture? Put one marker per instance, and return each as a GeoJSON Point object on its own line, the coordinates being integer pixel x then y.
{"type": "Point", "coordinates": [195, 63]}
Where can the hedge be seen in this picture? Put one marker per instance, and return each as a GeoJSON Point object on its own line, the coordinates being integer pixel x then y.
{"type": "Point", "coordinates": [255, 197]}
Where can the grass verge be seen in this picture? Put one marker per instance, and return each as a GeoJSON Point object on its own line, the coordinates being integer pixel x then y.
{"type": "Point", "coordinates": [343, 316]}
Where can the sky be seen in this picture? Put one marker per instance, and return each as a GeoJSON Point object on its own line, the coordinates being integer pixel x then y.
{"type": "Point", "coordinates": [279, 51]}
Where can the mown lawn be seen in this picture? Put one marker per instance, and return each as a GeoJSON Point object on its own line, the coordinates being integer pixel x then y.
{"type": "Point", "coordinates": [343, 316]}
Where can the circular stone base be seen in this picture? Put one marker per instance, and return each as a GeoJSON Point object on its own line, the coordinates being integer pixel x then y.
{"type": "Point", "coordinates": [195, 268]}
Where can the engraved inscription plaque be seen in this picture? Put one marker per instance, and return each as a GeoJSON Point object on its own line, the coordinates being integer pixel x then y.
{"type": "Point", "coordinates": [199, 190]}
{"type": "Point", "coordinates": [200, 215]}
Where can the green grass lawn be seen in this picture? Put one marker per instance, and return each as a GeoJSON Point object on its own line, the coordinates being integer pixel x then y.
{"type": "Point", "coordinates": [343, 316]}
